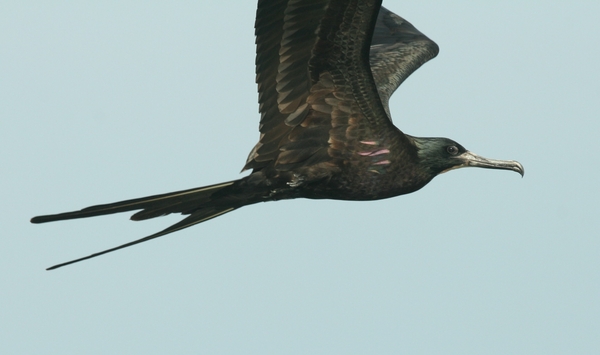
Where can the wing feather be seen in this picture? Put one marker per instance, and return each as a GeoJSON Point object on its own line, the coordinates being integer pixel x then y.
{"type": "Point", "coordinates": [285, 35]}
{"type": "Point", "coordinates": [397, 50]}
{"type": "Point", "coordinates": [325, 72]}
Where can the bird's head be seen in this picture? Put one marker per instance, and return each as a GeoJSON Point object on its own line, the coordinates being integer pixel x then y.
{"type": "Point", "coordinates": [438, 155]}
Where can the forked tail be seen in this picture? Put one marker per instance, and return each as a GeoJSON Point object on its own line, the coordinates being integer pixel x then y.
{"type": "Point", "coordinates": [201, 204]}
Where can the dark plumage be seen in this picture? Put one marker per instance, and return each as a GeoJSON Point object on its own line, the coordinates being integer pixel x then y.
{"type": "Point", "coordinates": [325, 72]}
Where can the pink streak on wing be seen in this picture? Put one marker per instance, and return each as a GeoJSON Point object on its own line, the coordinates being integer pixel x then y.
{"type": "Point", "coordinates": [383, 162]}
{"type": "Point", "coordinates": [381, 151]}
{"type": "Point", "coordinates": [369, 142]}
{"type": "Point", "coordinates": [374, 153]}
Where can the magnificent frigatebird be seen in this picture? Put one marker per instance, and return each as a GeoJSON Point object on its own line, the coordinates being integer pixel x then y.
{"type": "Point", "coordinates": [325, 70]}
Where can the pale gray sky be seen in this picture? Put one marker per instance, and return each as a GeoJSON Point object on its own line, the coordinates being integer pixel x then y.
{"type": "Point", "coordinates": [104, 102]}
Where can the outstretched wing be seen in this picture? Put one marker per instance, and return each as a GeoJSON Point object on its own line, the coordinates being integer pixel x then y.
{"type": "Point", "coordinates": [286, 32]}
{"type": "Point", "coordinates": [397, 50]}
{"type": "Point", "coordinates": [318, 99]}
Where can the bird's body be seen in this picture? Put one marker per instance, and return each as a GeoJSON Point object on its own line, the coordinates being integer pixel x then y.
{"type": "Point", "coordinates": [325, 72]}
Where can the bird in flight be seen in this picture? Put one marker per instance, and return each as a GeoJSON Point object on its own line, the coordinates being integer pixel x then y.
{"type": "Point", "coordinates": [325, 71]}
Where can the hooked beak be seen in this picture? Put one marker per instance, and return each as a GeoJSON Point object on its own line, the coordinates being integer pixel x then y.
{"type": "Point", "coordinates": [472, 159]}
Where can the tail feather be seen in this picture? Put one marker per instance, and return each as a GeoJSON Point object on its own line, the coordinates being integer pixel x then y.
{"type": "Point", "coordinates": [194, 218]}
{"type": "Point", "coordinates": [151, 206]}
{"type": "Point", "coordinates": [201, 204]}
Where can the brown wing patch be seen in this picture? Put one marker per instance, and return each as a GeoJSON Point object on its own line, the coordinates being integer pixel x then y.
{"type": "Point", "coordinates": [328, 132]}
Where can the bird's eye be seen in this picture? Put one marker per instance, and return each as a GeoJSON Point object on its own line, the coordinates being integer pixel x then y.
{"type": "Point", "coordinates": [452, 150]}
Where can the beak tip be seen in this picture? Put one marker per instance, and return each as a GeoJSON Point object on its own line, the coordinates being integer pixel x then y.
{"type": "Point", "coordinates": [519, 169]}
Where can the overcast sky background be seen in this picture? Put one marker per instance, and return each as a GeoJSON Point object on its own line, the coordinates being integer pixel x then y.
{"type": "Point", "coordinates": [108, 101]}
